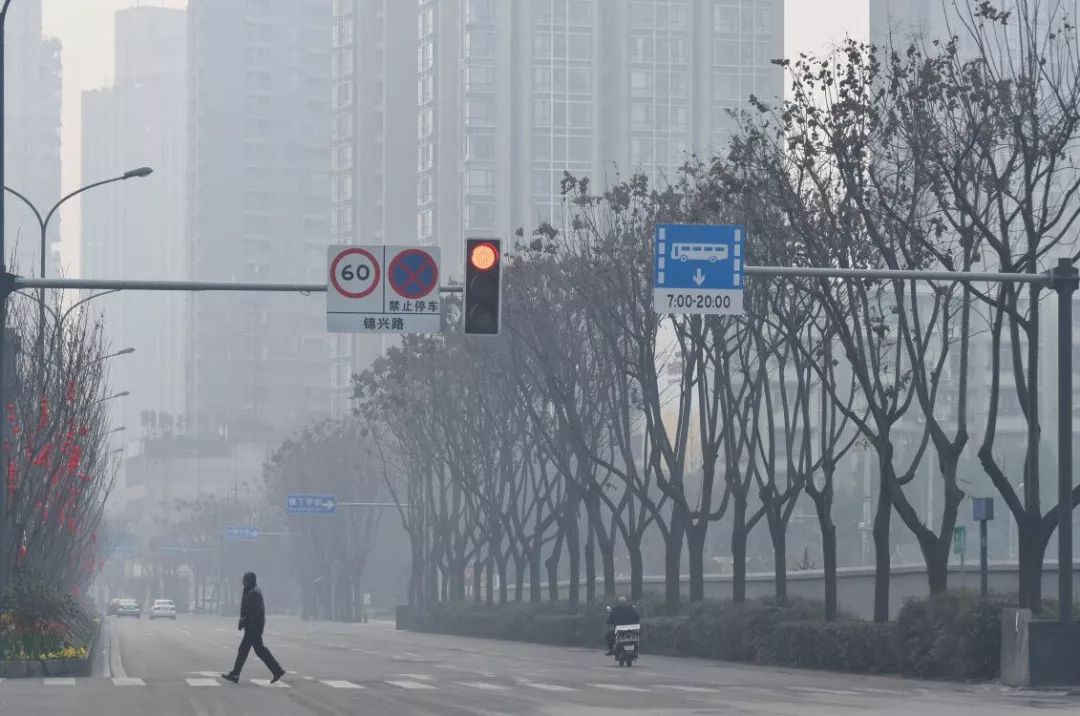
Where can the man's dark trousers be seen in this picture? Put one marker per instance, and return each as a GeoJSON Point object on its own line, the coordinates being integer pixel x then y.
{"type": "Point", "coordinates": [253, 639]}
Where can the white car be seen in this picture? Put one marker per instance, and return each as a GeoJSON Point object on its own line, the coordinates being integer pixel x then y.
{"type": "Point", "coordinates": [163, 609]}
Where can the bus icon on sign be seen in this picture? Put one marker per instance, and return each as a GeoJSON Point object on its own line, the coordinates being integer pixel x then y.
{"type": "Point", "coordinates": [699, 252]}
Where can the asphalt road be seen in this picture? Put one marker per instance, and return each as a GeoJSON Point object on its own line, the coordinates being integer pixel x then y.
{"type": "Point", "coordinates": [167, 668]}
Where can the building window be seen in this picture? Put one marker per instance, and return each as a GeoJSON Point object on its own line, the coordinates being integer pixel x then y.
{"type": "Point", "coordinates": [542, 45]}
{"type": "Point", "coordinates": [580, 47]}
{"type": "Point", "coordinates": [480, 112]}
{"type": "Point", "coordinates": [343, 94]}
{"type": "Point", "coordinates": [725, 52]}
{"type": "Point", "coordinates": [641, 84]}
{"type": "Point", "coordinates": [480, 45]}
{"type": "Point", "coordinates": [579, 114]}
{"type": "Point", "coordinates": [579, 148]}
{"type": "Point", "coordinates": [641, 151]}
{"type": "Point", "coordinates": [424, 223]}
{"type": "Point", "coordinates": [725, 19]}
{"type": "Point", "coordinates": [641, 49]}
{"type": "Point", "coordinates": [480, 181]}
{"type": "Point", "coordinates": [580, 13]}
{"type": "Point", "coordinates": [480, 11]}
{"type": "Point", "coordinates": [580, 80]}
{"type": "Point", "coordinates": [427, 21]}
{"type": "Point", "coordinates": [480, 147]}
{"type": "Point", "coordinates": [542, 113]}
{"type": "Point", "coordinates": [640, 117]}
{"type": "Point", "coordinates": [542, 79]}
{"type": "Point", "coordinates": [479, 79]}
{"type": "Point", "coordinates": [726, 86]}
{"type": "Point", "coordinates": [480, 215]}
{"type": "Point", "coordinates": [425, 190]}
{"type": "Point", "coordinates": [425, 89]}
{"type": "Point", "coordinates": [425, 120]}
{"type": "Point", "coordinates": [641, 15]}
{"type": "Point", "coordinates": [426, 55]}
{"type": "Point", "coordinates": [426, 156]}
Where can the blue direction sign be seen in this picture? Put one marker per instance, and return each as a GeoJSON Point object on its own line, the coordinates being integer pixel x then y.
{"type": "Point", "coordinates": [311, 504]}
{"type": "Point", "coordinates": [174, 550]}
{"type": "Point", "coordinates": [242, 534]}
{"type": "Point", "coordinates": [698, 269]}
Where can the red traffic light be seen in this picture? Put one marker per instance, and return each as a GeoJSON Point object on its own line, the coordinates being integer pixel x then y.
{"type": "Point", "coordinates": [484, 257]}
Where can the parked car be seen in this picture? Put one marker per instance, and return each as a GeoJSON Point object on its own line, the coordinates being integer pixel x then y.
{"type": "Point", "coordinates": [110, 609]}
{"type": "Point", "coordinates": [129, 608]}
{"type": "Point", "coordinates": [163, 609]}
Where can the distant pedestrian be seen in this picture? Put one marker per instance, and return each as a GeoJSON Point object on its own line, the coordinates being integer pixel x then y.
{"type": "Point", "coordinates": [253, 621]}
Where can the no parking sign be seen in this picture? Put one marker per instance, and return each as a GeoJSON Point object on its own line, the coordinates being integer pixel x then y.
{"type": "Point", "coordinates": [383, 289]}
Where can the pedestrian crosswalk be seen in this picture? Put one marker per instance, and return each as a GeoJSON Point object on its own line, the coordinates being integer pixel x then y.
{"type": "Point", "coordinates": [428, 685]}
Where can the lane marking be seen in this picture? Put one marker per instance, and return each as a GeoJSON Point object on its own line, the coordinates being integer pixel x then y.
{"type": "Point", "coordinates": [265, 683]}
{"type": "Point", "coordinates": [415, 685]}
{"type": "Point", "coordinates": [828, 692]}
{"type": "Point", "coordinates": [203, 682]}
{"type": "Point", "coordinates": [418, 677]}
{"type": "Point", "coordinates": [183, 631]}
{"type": "Point", "coordinates": [482, 685]}
{"type": "Point", "coordinates": [59, 681]}
{"type": "Point", "coordinates": [334, 684]}
{"type": "Point", "coordinates": [126, 681]}
{"type": "Point", "coordinates": [616, 687]}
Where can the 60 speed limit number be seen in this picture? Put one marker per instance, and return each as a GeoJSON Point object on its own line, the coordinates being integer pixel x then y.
{"type": "Point", "coordinates": [355, 273]}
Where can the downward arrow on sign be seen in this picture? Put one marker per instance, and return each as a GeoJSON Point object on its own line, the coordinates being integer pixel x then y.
{"type": "Point", "coordinates": [699, 278]}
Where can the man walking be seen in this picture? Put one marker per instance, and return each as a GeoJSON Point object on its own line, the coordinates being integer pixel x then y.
{"type": "Point", "coordinates": [253, 621]}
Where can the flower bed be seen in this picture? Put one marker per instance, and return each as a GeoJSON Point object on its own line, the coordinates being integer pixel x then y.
{"type": "Point", "coordinates": [45, 632]}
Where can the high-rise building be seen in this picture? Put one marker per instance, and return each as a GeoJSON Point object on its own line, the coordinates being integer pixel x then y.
{"type": "Point", "coordinates": [899, 21]}
{"type": "Point", "coordinates": [135, 229]}
{"type": "Point", "coordinates": [32, 134]}
{"type": "Point", "coordinates": [373, 184]}
{"type": "Point", "coordinates": [513, 95]}
{"type": "Point", "coordinates": [259, 192]}
{"type": "Point", "coordinates": [510, 97]}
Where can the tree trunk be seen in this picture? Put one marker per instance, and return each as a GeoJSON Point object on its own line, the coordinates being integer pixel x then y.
{"type": "Point", "coordinates": [590, 563]}
{"type": "Point", "coordinates": [882, 553]}
{"type": "Point", "coordinates": [637, 576]}
{"type": "Point", "coordinates": [779, 539]}
{"type": "Point", "coordinates": [607, 560]}
{"type": "Point", "coordinates": [573, 553]}
{"type": "Point", "coordinates": [500, 564]}
{"type": "Point", "coordinates": [552, 564]}
{"type": "Point", "coordinates": [673, 558]}
{"type": "Point", "coordinates": [828, 558]}
{"type": "Point", "coordinates": [936, 555]}
{"type": "Point", "coordinates": [478, 582]}
{"type": "Point", "coordinates": [519, 576]}
{"type": "Point", "coordinates": [695, 544]}
{"type": "Point", "coordinates": [738, 552]}
{"type": "Point", "coordinates": [536, 593]}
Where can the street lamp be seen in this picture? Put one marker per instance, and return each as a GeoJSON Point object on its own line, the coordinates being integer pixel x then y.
{"type": "Point", "coordinates": [43, 225]}
{"type": "Point", "coordinates": [122, 394]}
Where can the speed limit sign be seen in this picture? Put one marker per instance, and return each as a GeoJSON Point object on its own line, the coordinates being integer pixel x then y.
{"type": "Point", "coordinates": [383, 289]}
{"type": "Point", "coordinates": [354, 273]}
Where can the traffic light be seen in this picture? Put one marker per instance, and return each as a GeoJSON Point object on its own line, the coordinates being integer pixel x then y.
{"type": "Point", "coordinates": [483, 283]}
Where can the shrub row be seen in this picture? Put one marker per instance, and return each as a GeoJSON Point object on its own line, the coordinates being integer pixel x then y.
{"type": "Point", "coordinates": [953, 636]}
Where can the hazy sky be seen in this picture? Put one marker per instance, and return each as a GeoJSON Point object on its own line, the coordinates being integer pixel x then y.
{"type": "Point", "coordinates": [86, 29]}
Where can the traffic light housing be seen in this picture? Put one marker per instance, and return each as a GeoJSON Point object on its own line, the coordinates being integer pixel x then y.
{"type": "Point", "coordinates": [483, 286]}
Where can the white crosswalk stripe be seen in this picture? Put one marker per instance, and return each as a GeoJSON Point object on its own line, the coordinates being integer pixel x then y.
{"type": "Point", "coordinates": [548, 687]}
{"type": "Point", "coordinates": [203, 682]}
{"type": "Point", "coordinates": [341, 684]}
{"type": "Point", "coordinates": [616, 687]}
{"type": "Point", "coordinates": [417, 677]}
{"type": "Point", "coordinates": [688, 689]}
{"type": "Point", "coordinates": [482, 685]}
{"type": "Point", "coordinates": [59, 681]}
{"type": "Point", "coordinates": [414, 685]}
{"type": "Point", "coordinates": [127, 681]}
{"type": "Point", "coordinates": [265, 683]}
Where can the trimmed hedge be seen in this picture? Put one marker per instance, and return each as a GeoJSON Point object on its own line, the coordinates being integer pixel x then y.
{"type": "Point", "coordinates": [954, 636]}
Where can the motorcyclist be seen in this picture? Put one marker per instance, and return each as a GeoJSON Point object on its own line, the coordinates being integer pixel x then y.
{"type": "Point", "coordinates": [622, 614]}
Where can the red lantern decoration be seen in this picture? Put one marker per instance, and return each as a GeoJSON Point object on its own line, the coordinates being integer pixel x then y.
{"type": "Point", "coordinates": [22, 553]}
